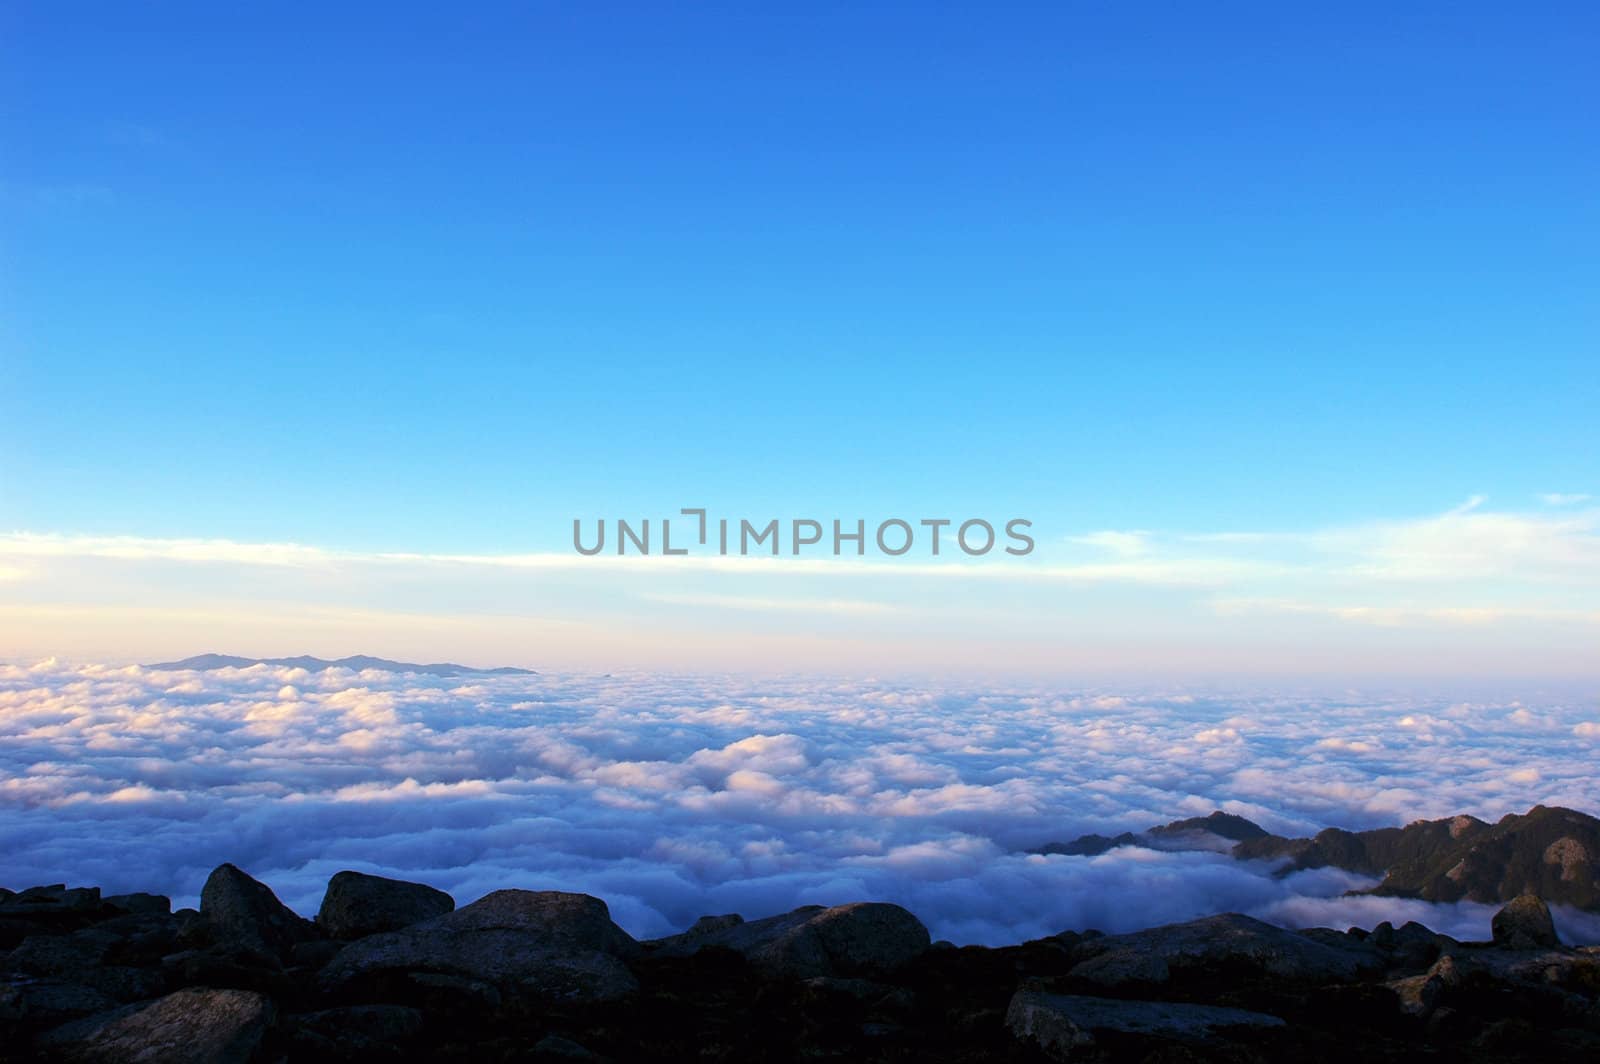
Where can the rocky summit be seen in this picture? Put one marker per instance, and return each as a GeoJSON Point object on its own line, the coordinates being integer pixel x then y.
{"type": "Point", "coordinates": [1548, 851]}
{"type": "Point", "coordinates": [394, 971]}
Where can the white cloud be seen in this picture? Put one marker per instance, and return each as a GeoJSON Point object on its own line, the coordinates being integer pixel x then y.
{"type": "Point", "coordinates": [1126, 544]}
{"type": "Point", "coordinates": [777, 605]}
{"type": "Point", "coordinates": [1400, 616]}
{"type": "Point", "coordinates": [676, 795]}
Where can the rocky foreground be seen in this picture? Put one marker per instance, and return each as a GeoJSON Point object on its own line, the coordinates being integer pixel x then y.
{"type": "Point", "coordinates": [393, 971]}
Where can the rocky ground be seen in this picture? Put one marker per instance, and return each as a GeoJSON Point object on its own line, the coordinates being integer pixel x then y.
{"type": "Point", "coordinates": [393, 971]}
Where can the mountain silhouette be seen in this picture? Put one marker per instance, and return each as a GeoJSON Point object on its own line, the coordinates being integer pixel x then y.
{"type": "Point", "coordinates": [357, 662]}
{"type": "Point", "coordinates": [1549, 851]}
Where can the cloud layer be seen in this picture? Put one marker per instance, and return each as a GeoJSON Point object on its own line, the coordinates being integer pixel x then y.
{"type": "Point", "coordinates": [674, 796]}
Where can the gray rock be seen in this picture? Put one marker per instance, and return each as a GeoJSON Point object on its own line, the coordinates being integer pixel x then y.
{"type": "Point", "coordinates": [61, 954]}
{"type": "Point", "coordinates": [863, 939]}
{"type": "Point", "coordinates": [1529, 968]}
{"type": "Point", "coordinates": [559, 918]}
{"type": "Point", "coordinates": [1064, 1026]}
{"type": "Point", "coordinates": [576, 979]}
{"type": "Point", "coordinates": [357, 905]}
{"type": "Point", "coordinates": [196, 1026]}
{"type": "Point", "coordinates": [1525, 923]}
{"type": "Point", "coordinates": [1421, 994]}
{"type": "Point", "coordinates": [48, 890]}
{"type": "Point", "coordinates": [233, 966]}
{"type": "Point", "coordinates": [454, 995]}
{"type": "Point", "coordinates": [708, 925]}
{"type": "Point", "coordinates": [538, 946]}
{"type": "Point", "coordinates": [314, 955]}
{"type": "Point", "coordinates": [553, 1047]}
{"type": "Point", "coordinates": [150, 904]}
{"type": "Point", "coordinates": [52, 900]}
{"type": "Point", "coordinates": [380, 1022]}
{"type": "Point", "coordinates": [80, 958]}
{"type": "Point", "coordinates": [39, 1003]}
{"type": "Point", "coordinates": [704, 927]}
{"type": "Point", "coordinates": [1231, 940]}
{"type": "Point", "coordinates": [243, 911]}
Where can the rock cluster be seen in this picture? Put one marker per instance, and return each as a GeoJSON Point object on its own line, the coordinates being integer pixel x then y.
{"type": "Point", "coordinates": [393, 971]}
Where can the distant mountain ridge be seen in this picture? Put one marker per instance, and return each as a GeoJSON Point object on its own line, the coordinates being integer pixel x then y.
{"type": "Point", "coordinates": [1549, 851]}
{"type": "Point", "coordinates": [356, 662]}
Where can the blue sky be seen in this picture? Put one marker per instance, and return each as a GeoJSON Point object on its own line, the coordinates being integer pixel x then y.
{"type": "Point", "coordinates": [387, 279]}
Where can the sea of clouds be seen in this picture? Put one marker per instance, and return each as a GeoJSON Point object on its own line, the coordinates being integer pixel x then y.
{"type": "Point", "coordinates": [675, 796]}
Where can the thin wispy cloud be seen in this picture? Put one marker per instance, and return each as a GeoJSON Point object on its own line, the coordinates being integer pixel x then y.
{"type": "Point", "coordinates": [1136, 596]}
{"type": "Point", "coordinates": [780, 605]}
{"type": "Point", "coordinates": [1403, 616]}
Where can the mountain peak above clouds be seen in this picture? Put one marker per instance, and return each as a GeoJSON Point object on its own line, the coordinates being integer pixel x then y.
{"type": "Point", "coordinates": [356, 662]}
{"type": "Point", "coordinates": [1549, 851]}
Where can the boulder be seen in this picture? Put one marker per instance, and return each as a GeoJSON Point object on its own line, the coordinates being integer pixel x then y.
{"type": "Point", "coordinates": [229, 965]}
{"type": "Point", "coordinates": [245, 912]}
{"type": "Point", "coordinates": [1065, 1026]}
{"type": "Point", "coordinates": [540, 946]}
{"type": "Point", "coordinates": [1420, 994]}
{"type": "Point", "coordinates": [357, 905]}
{"type": "Point", "coordinates": [559, 918]}
{"type": "Point", "coordinates": [196, 1026]}
{"type": "Point", "coordinates": [553, 1047]}
{"type": "Point", "coordinates": [38, 1003]}
{"type": "Point", "coordinates": [710, 925]}
{"type": "Point", "coordinates": [314, 955]}
{"type": "Point", "coordinates": [54, 898]}
{"type": "Point", "coordinates": [1525, 923]}
{"type": "Point", "coordinates": [359, 1032]}
{"type": "Point", "coordinates": [863, 939]}
{"type": "Point", "coordinates": [141, 903]}
{"type": "Point", "coordinates": [81, 958]}
{"type": "Point", "coordinates": [1231, 942]}
{"type": "Point", "coordinates": [61, 954]}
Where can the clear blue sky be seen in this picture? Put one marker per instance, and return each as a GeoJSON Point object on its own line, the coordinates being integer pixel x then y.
{"type": "Point", "coordinates": [392, 276]}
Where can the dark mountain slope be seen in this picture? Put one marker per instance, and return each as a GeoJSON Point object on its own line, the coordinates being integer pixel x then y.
{"type": "Point", "coordinates": [1549, 851]}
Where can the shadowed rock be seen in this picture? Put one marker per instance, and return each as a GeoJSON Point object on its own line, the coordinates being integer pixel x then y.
{"type": "Point", "coordinates": [243, 911]}
{"type": "Point", "coordinates": [34, 1002]}
{"type": "Point", "coordinates": [81, 958]}
{"type": "Point", "coordinates": [546, 946]}
{"type": "Point", "coordinates": [866, 938]}
{"type": "Point", "coordinates": [1229, 942]}
{"type": "Point", "coordinates": [357, 905]}
{"type": "Point", "coordinates": [198, 1026]}
{"type": "Point", "coordinates": [50, 900]}
{"type": "Point", "coordinates": [1525, 924]}
{"type": "Point", "coordinates": [357, 1032]}
{"type": "Point", "coordinates": [143, 904]}
{"type": "Point", "coordinates": [521, 975]}
{"type": "Point", "coordinates": [1064, 1026]}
